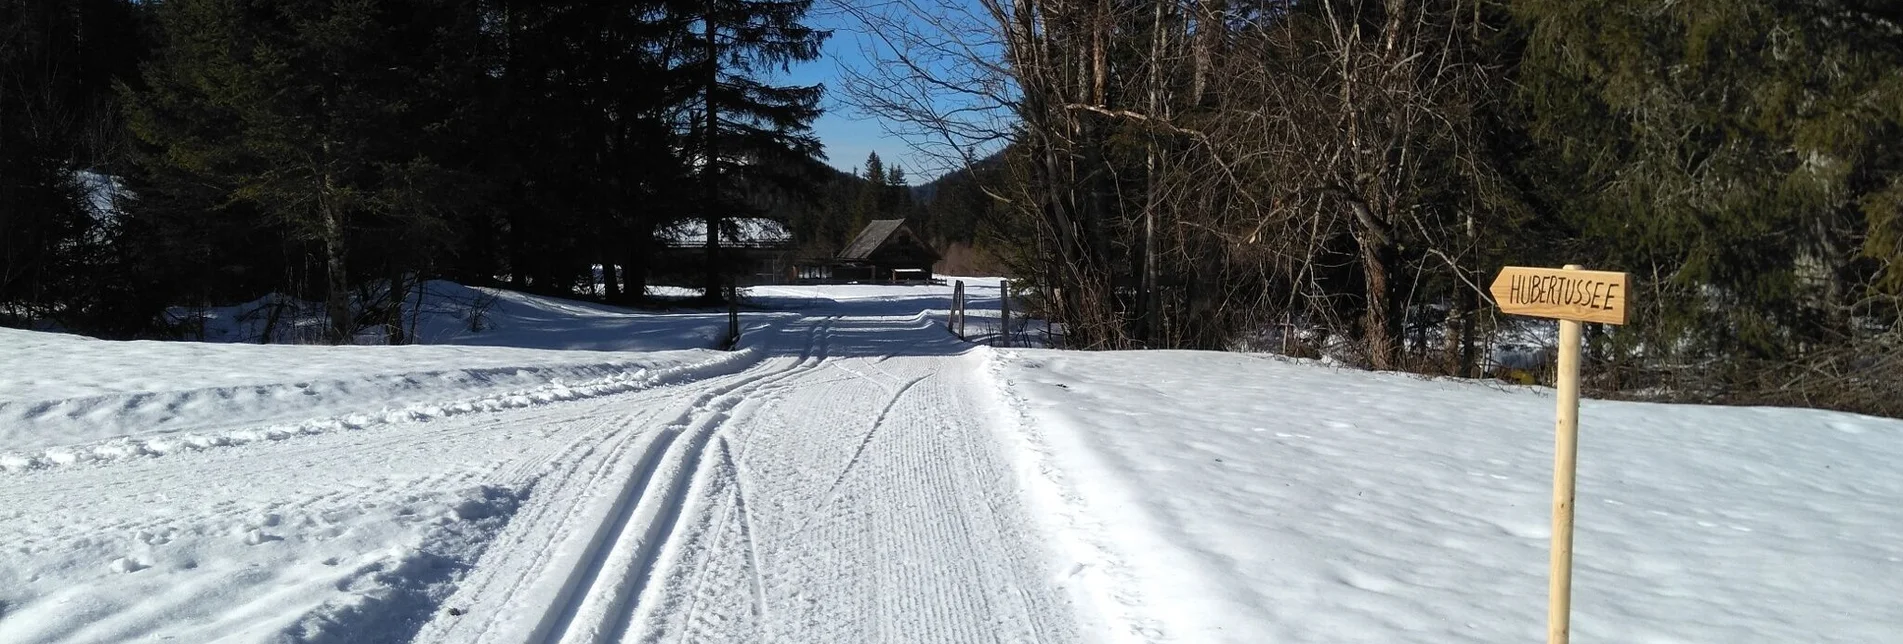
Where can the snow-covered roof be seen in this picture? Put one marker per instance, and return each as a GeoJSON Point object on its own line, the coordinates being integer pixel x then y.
{"type": "Point", "coordinates": [745, 232]}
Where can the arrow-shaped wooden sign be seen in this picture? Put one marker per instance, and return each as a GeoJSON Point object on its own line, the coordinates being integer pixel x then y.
{"type": "Point", "coordinates": [1585, 296]}
{"type": "Point", "coordinates": [1572, 295]}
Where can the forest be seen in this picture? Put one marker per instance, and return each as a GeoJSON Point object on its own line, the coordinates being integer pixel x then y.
{"type": "Point", "coordinates": [1334, 179]}
{"type": "Point", "coordinates": [1343, 178]}
{"type": "Point", "coordinates": [342, 151]}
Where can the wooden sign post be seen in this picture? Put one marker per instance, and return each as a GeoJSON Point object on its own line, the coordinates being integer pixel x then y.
{"type": "Point", "coordinates": [1573, 296]}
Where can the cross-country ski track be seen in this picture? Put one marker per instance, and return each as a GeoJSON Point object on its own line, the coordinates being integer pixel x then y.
{"type": "Point", "coordinates": [786, 503]}
{"type": "Point", "coordinates": [577, 473]}
{"type": "Point", "coordinates": [833, 488]}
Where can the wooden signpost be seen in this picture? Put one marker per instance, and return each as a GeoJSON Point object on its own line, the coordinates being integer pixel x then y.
{"type": "Point", "coordinates": [1573, 296]}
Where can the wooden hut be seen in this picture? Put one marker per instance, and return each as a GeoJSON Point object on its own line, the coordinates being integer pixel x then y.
{"type": "Point", "coordinates": [887, 251]}
{"type": "Point", "coordinates": [758, 250]}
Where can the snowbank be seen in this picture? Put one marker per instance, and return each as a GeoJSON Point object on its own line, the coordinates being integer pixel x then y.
{"type": "Point", "coordinates": [63, 390]}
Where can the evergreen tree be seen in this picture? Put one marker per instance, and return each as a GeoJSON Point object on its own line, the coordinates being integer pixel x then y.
{"type": "Point", "coordinates": [744, 132]}
{"type": "Point", "coordinates": [897, 199]}
{"type": "Point", "coordinates": [1744, 150]}
{"type": "Point", "coordinates": [306, 110]}
{"type": "Point", "coordinates": [873, 197]}
{"type": "Point", "coordinates": [58, 61]}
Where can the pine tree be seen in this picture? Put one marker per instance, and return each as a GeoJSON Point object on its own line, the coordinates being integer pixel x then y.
{"type": "Point", "coordinates": [58, 61]}
{"type": "Point", "coordinates": [307, 110]}
{"type": "Point", "coordinates": [872, 198]}
{"type": "Point", "coordinates": [1743, 149]}
{"type": "Point", "coordinates": [898, 195]}
{"type": "Point", "coordinates": [745, 132]}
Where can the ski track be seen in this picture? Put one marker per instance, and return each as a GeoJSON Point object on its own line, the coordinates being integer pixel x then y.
{"type": "Point", "coordinates": [784, 503]}
{"type": "Point", "coordinates": [556, 391]}
{"type": "Point", "coordinates": [759, 497]}
{"type": "Point", "coordinates": [863, 509]}
{"type": "Point", "coordinates": [150, 503]}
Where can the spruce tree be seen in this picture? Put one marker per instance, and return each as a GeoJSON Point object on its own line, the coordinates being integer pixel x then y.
{"type": "Point", "coordinates": [745, 132]}
{"type": "Point", "coordinates": [872, 198]}
{"type": "Point", "coordinates": [58, 61]}
{"type": "Point", "coordinates": [309, 111]}
{"type": "Point", "coordinates": [1743, 150]}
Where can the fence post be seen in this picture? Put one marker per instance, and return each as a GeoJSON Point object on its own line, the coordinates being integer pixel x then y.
{"type": "Point", "coordinates": [1004, 314]}
{"type": "Point", "coordinates": [733, 317]}
{"type": "Point", "coordinates": [956, 322]}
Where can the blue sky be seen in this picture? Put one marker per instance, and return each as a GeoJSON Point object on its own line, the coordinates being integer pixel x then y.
{"type": "Point", "coordinates": [848, 135]}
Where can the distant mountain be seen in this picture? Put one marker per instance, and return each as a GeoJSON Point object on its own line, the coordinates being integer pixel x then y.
{"type": "Point", "coordinates": [924, 194]}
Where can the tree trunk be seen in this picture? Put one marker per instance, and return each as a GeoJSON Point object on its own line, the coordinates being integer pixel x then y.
{"type": "Point", "coordinates": [1147, 312]}
{"type": "Point", "coordinates": [518, 242]}
{"type": "Point", "coordinates": [710, 170]}
{"type": "Point", "coordinates": [399, 291]}
{"type": "Point", "coordinates": [1450, 358]}
{"type": "Point", "coordinates": [635, 270]}
{"type": "Point", "coordinates": [1379, 329]}
{"type": "Point", "coordinates": [479, 268]}
{"type": "Point", "coordinates": [610, 285]}
{"type": "Point", "coordinates": [515, 217]}
{"type": "Point", "coordinates": [337, 286]}
{"type": "Point", "coordinates": [1469, 308]}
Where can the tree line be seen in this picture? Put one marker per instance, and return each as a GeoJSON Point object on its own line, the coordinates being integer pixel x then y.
{"type": "Point", "coordinates": [341, 150]}
{"type": "Point", "coordinates": [1350, 174]}
{"type": "Point", "coordinates": [847, 202]}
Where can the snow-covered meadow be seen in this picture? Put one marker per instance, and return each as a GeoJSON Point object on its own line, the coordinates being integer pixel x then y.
{"type": "Point", "coordinates": [1246, 498]}
{"type": "Point", "coordinates": [581, 473]}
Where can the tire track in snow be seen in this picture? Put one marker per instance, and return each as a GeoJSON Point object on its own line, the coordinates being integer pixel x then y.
{"type": "Point", "coordinates": [859, 450]}
{"type": "Point", "coordinates": [727, 576]}
{"type": "Point", "coordinates": [172, 481]}
{"type": "Point", "coordinates": [510, 579]}
{"type": "Point", "coordinates": [307, 491]}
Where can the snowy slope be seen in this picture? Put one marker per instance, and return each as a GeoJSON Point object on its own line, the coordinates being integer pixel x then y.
{"type": "Point", "coordinates": [1207, 497]}
{"type": "Point", "coordinates": [855, 474]}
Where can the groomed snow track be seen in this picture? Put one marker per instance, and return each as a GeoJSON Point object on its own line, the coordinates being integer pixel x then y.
{"type": "Point", "coordinates": [837, 491]}
{"type": "Point", "coordinates": [832, 482]}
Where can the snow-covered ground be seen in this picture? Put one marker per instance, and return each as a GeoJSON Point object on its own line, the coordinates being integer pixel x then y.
{"type": "Point", "coordinates": [1204, 497]}
{"type": "Point", "coordinates": [578, 473]}
{"type": "Point", "coordinates": [63, 390]}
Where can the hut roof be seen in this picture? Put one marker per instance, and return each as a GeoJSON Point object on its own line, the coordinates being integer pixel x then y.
{"type": "Point", "coordinates": [870, 239]}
